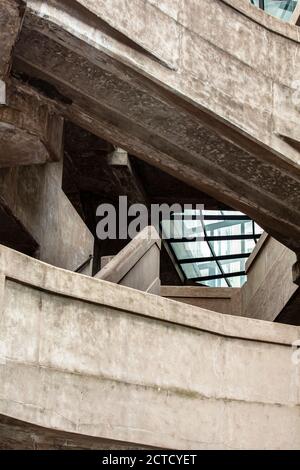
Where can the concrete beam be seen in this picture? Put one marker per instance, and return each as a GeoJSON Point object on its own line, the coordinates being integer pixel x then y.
{"type": "Point", "coordinates": [30, 130]}
{"type": "Point", "coordinates": [113, 128]}
{"type": "Point", "coordinates": [35, 199]}
{"type": "Point", "coordinates": [214, 125]}
{"type": "Point", "coordinates": [127, 181]}
{"type": "Point", "coordinates": [83, 340]}
{"type": "Point", "coordinates": [135, 254]}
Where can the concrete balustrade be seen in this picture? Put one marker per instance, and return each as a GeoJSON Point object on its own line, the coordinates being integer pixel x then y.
{"type": "Point", "coordinates": [100, 360]}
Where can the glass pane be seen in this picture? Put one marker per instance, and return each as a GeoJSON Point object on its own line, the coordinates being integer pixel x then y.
{"type": "Point", "coordinates": [232, 247]}
{"type": "Point", "coordinates": [228, 227]}
{"type": "Point", "coordinates": [189, 250]}
{"type": "Point", "coordinates": [223, 224]}
{"type": "Point", "coordinates": [282, 9]}
{"type": "Point", "coordinates": [257, 229]}
{"type": "Point", "coordinates": [193, 270]}
{"type": "Point", "coordinates": [233, 266]}
{"type": "Point", "coordinates": [182, 228]}
{"type": "Point", "coordinates": [237, 281]}
{"type": "Point", "coordinates": [214, 283]}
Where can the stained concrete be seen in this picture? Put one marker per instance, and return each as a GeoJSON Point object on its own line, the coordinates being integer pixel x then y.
{"type": "Point", "coordinates": [34, 197]}
{"type": "Point", "coordinates": [226, 300]}
{"type": "Point", "coordinates": [101, 360]}
{"type": "Point", "coordinates": [19, 435]}
{"type": "Point", "coordinates": [11, 14]}
{"type": "Point", "coordinates": [138, 264]}
{"type": "Point", "coordinates": [270, 283]}
{"type": "Point", "coordinates": [184, 97]}
{"type": "Point", "coordinates": [30, 130]}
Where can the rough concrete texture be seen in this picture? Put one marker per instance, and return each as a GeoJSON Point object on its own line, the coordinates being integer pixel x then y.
{"type": "Point", "coordinates": [225, 300]}
{"type": "Point", "coordinates": [35, 198]}
{"type": "Point", "coordinates": [101, 360]}
{"type": "Point", "coordinates": [18, 435]}
{"type": "Point", "coordinates": [11, 12]}
{"type": "Point", "coordinates": [138, 264]}
{"type": "Point", "coordinates": [270, 283]}
{"type": "Point", "coordinates": [30, 130]}
{"type": "Point", "coordinates": [183, 86]}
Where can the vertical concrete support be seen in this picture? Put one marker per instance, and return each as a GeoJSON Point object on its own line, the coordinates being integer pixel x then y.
{"type": "Point", "coordinates": [31, 150]}
{"type": "Point", "coordinates": [270, 285]}
{"type": "Point", "coordinates": [34, 196]}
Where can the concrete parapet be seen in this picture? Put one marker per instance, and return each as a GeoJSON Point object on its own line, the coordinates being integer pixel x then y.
{"type": "Point", "coordinates": [102, 360]}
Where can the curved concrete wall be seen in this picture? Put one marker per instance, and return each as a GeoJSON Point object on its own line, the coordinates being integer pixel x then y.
{"type": "Point", "coordinates": [93, 358]}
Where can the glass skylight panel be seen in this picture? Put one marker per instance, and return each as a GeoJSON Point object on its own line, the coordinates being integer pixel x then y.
{"type": "Point", "coordinates": [196, 270]}
{"type": "Point", "coordinates": [191, 250]}
{"type": "Point", "coordinates": [282, 9]}
{"type": "Point", "coordinates": [218, 255]}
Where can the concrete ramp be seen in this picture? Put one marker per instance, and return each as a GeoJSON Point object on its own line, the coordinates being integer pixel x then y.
{"type": "Point", "coordinates": [102, 361]}
{"type": "Point", "coordinates": [137, 265]}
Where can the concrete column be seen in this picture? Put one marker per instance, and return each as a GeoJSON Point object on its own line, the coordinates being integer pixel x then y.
{"type": "Point", "coordinates": [31, 196]}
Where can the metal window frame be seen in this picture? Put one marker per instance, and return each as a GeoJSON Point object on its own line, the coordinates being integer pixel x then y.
{"type": "Point", "coordinates": [211, 238]}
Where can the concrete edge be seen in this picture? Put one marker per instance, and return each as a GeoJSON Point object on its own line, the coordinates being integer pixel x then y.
{"type": "Point", "coordinates": [271, 23]}
{"type": "Point", "coordinates": [199, 292]}
{"type": "Point", "coordinates": [129, 256]}
{"type": "Point", "coordinates": [258, 247]}
{"type": "Point", "coordinates": [36, 274]}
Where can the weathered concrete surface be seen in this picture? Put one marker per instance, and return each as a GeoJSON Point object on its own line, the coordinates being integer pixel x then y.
{"type": "Point", "coordinates": [30, 130]}
{"type": "Point", "coordinates": [19, 435]}
{"type": "Point", "coordinates": [182, 86]}
{"type": "Point", "coordinates": [138, 264]}
{"type": "Point", "coordinates": [35, 198]}
{"type": "Point", "coordinates": [270, 283]}
{"type": "Point", "coordinates": [11, 13]}
{"type": "Point", "coordinates": [101, 360]}
{"type": "Point", "coordinates": [219, 299]}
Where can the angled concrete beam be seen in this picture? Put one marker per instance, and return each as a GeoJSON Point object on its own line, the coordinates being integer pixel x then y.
{"type": "Point", "coordinates": [127, 181]}
{"type": "Point", "coordinates": [30, 130]}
